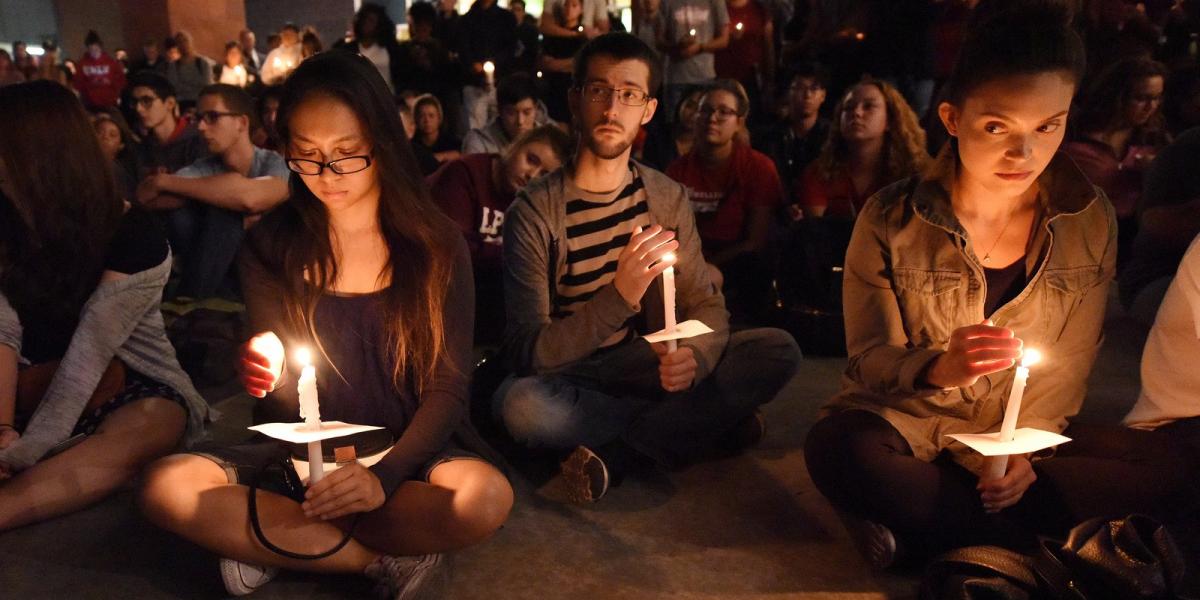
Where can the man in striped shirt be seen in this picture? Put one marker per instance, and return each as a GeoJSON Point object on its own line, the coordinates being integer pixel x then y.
{"type": "Point", "coordinates": [584, 248]}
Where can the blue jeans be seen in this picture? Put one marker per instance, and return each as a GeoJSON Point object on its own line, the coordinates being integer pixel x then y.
{"type": "Point", "coordinates": [205, 240]}
{"type": "Point", "coordinates": [616, 394]}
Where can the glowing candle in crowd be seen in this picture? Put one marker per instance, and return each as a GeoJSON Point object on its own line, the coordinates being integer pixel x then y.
{"type": "Point", "coordinates": [692, 32]}
{"type": "Point", "coordinates": [859, 36]}
{"type": "Point", "coordinates": [489, 72]}
{"type": "Point", "coordinates": [579, 29]}
{"type": "Point", "coordinates": [268, 345]}
{"type": "Point", "coordinates": [739, 27]}
{"type": "Point", "coordinates": [998, 465]}
{"type": "Point", "coordinates": [539, 74]}
{"type": "Point", "coordinates": [310, 411]}
{"type": "Point", "coordinates": [669, 299]}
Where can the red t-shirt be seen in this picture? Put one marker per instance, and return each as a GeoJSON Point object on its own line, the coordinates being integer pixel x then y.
{"type": "Point", "coordinates": [99, 80]}
{"type": "Point", "coordinates": [837, 195]}
{"type": "Point", "coordinates": [463, 189]}
{"type": "Point", "coordinates": [722, 197]}
{"type": "Point", "coordinates": [739, 59]}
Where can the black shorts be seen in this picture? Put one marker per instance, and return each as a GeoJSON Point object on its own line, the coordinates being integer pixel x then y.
{"type": "Point", "coordinates": [267, 460]}
{"type": "Point", "coordinates": [137, 387]}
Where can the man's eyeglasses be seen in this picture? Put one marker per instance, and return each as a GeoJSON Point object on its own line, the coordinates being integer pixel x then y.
{"type": "Point", "coordinates": [145, 101]}
{"type": "Point", "coordinates": [722, 113]}
{"type": "Point", "coordinates": [341, 166]}
{"type": "Point", "coordinates": [601, 93]}
{"type": "Point", "coordinates": [210, 117]}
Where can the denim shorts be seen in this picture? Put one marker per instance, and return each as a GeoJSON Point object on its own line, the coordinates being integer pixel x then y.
{"type": "Point", "coordinates": [267, 461]}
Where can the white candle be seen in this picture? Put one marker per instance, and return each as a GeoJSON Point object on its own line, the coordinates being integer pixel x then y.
{"type": "Point", "coordinates": [489, 72]}
{"type": "Point", "coordinates": [669, 299]}
{"type": "Point", "coordinates": [692, 33]}
{"type": "Point", "coordinates": [739, 27]}
{"type": "Point", "coordinates": [310, 411]}
{"type": "Point", "coordinates": [998, 465]}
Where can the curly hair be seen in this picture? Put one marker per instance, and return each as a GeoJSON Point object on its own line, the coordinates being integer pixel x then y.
{"type": "Point", "coordinates": [904, 141]}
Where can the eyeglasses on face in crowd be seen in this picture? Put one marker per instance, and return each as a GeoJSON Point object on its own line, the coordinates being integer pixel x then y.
{"type": "Point", "coordinates": [722, 113]}
{"type": "Point", "coordinates": [145, 101]}
{"type": "Point", "coordinates": [210, 117]}
{"type": "Point", "coordinates": [594, 92]}
{"type": "Point", "coordinates": [341, 166]}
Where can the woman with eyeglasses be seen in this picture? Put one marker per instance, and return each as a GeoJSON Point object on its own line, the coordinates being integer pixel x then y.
{"type": "Point", "coordinates": [733, 190]}
{"type": "Point", "coordinates": [359, 267]}
{"type": "Point", "coordinates": [875, 139]}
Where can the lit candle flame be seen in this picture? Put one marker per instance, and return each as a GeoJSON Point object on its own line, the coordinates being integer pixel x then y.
{"type": "Point", "coordinates": [739, 26]}
{"type": "Point", "coordinates": [669, 257]}
{"type": "Point", "coordinates": [304, 356]}
{"type": "Point", "coordinates": [489, 67]}
{"type": "Point", "coordinates": [692, 33]}
{"type": "Point", "coordinates": [1031, 357]}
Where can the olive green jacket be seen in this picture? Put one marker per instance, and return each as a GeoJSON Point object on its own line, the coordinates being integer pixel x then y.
{"type": "Point", "coordinates": [911, 279]}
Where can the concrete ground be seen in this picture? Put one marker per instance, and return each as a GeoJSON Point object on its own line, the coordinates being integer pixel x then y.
{"type": "Point", "coordinates": [752, 527]}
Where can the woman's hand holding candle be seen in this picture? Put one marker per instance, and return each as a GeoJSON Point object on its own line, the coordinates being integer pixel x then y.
{"type": "Point", "coordinates": [974, 351]}
{"type": "Point", "coordinates": [998, 494]}
{"type": "Point", "coordinates": [261, 364]}
{"type": "Point", "coordinates": [642, 260]}
{"type": "Point", "coordinates": [350, 489]}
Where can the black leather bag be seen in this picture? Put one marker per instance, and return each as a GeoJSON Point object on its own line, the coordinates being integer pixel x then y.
{"type": "Point", "coordinates": [981, 572]}
{"type": "Point", "coordinates": [1119, 559]}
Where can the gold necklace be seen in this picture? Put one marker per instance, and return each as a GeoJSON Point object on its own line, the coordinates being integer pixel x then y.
{"type": "Point", "coordinates": [987, 255]}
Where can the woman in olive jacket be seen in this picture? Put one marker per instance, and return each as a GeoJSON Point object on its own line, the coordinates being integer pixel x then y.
{"type": "Point", "coordinates": [1002, 245]}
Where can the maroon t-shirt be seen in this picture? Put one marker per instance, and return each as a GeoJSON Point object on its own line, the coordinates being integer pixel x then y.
{"type": "Point", "coordinates": [722, 198]}
{"type": "Point", "coordinates": [463, 189]}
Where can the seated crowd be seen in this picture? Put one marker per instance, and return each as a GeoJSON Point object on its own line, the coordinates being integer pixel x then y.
{"type": "Point", "coordinates": [554, 194]}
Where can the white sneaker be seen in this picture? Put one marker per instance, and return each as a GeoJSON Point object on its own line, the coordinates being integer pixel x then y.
{"type": "Point", "coordinates": [406, 577]}
{"type": "Point", "coordinates": [242, 578]}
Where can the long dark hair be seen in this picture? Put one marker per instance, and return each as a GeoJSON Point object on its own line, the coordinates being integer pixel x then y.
{"type": "Point", "coordinates": [54, 233]}
{"type": "Point", "coordinates": [1102, 108]}
{"type": "Point", "coordinates": [294, 243]}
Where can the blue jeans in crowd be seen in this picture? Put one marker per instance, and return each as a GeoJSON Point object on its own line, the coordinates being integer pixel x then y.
{"type": "Point", "coordinates": [615, 394]}
{"type": "Point", "coordinates": [205, 242]}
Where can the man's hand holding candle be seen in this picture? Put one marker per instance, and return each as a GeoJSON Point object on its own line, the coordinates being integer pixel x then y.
{"type": "Point", "coordinates": [974, 351]}
{"type": "Point", "coordinates": [676, 370]}
{"type": "Point", "coordinates": [998, 494]}
{"type": "Point", "coordinates": [641, 261]}
{"type": "Point", "coordinates": [348, 490]}
{"type": "Point", "coordinates": [261, 364]}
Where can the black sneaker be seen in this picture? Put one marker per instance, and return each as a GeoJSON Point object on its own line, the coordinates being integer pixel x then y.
{"type": "Point", "coordinates": [406, 577]}
{"type": "Point", "coordinates": [585, 475]}
{"type": "Point", "coordinates": [874, 541]}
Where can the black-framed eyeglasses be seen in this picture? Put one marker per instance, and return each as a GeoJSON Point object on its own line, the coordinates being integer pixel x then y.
{"type": "Point", "coordinates": [722, 113]}
{"type": "Point", "coordinates": [145, 101]}
{"type": "Point", "coordinates": [341, 166]}
{"type": "Point", "coordinates": [210, 117]}
{"type": "Point", "coordinates": [594, 92]}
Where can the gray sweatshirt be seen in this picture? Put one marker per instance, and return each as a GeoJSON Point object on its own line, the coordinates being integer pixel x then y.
{"type": "Point", "coordinates": [535, 253]}
{"type": "Point", "coordinates": [122, 319]}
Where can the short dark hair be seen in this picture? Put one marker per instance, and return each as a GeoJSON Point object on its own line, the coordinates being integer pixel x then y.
{"type": "Point", "coordinates": [619, 46]}
{"type": "Point", "coordinates": [512, 2]}
{"type": "Point", "coordinates": [290, 25]}
{"type": "Point", "coordinates": [231, 45]}
{"type": "Point", "coordinates": [515, 88]}
{"type": "Point", "coordinates": [92, 38]}
{"type": "Point", "coordinates": [422, 12]}
{"type": "Point", "coordinates": [1016, 37]}
{"type": "Point", "coordinates": [235, 98]}
{"type": "Point", "coordinates": [809, 69]}
{"type": "Point", "coordinates": [157, 83]}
